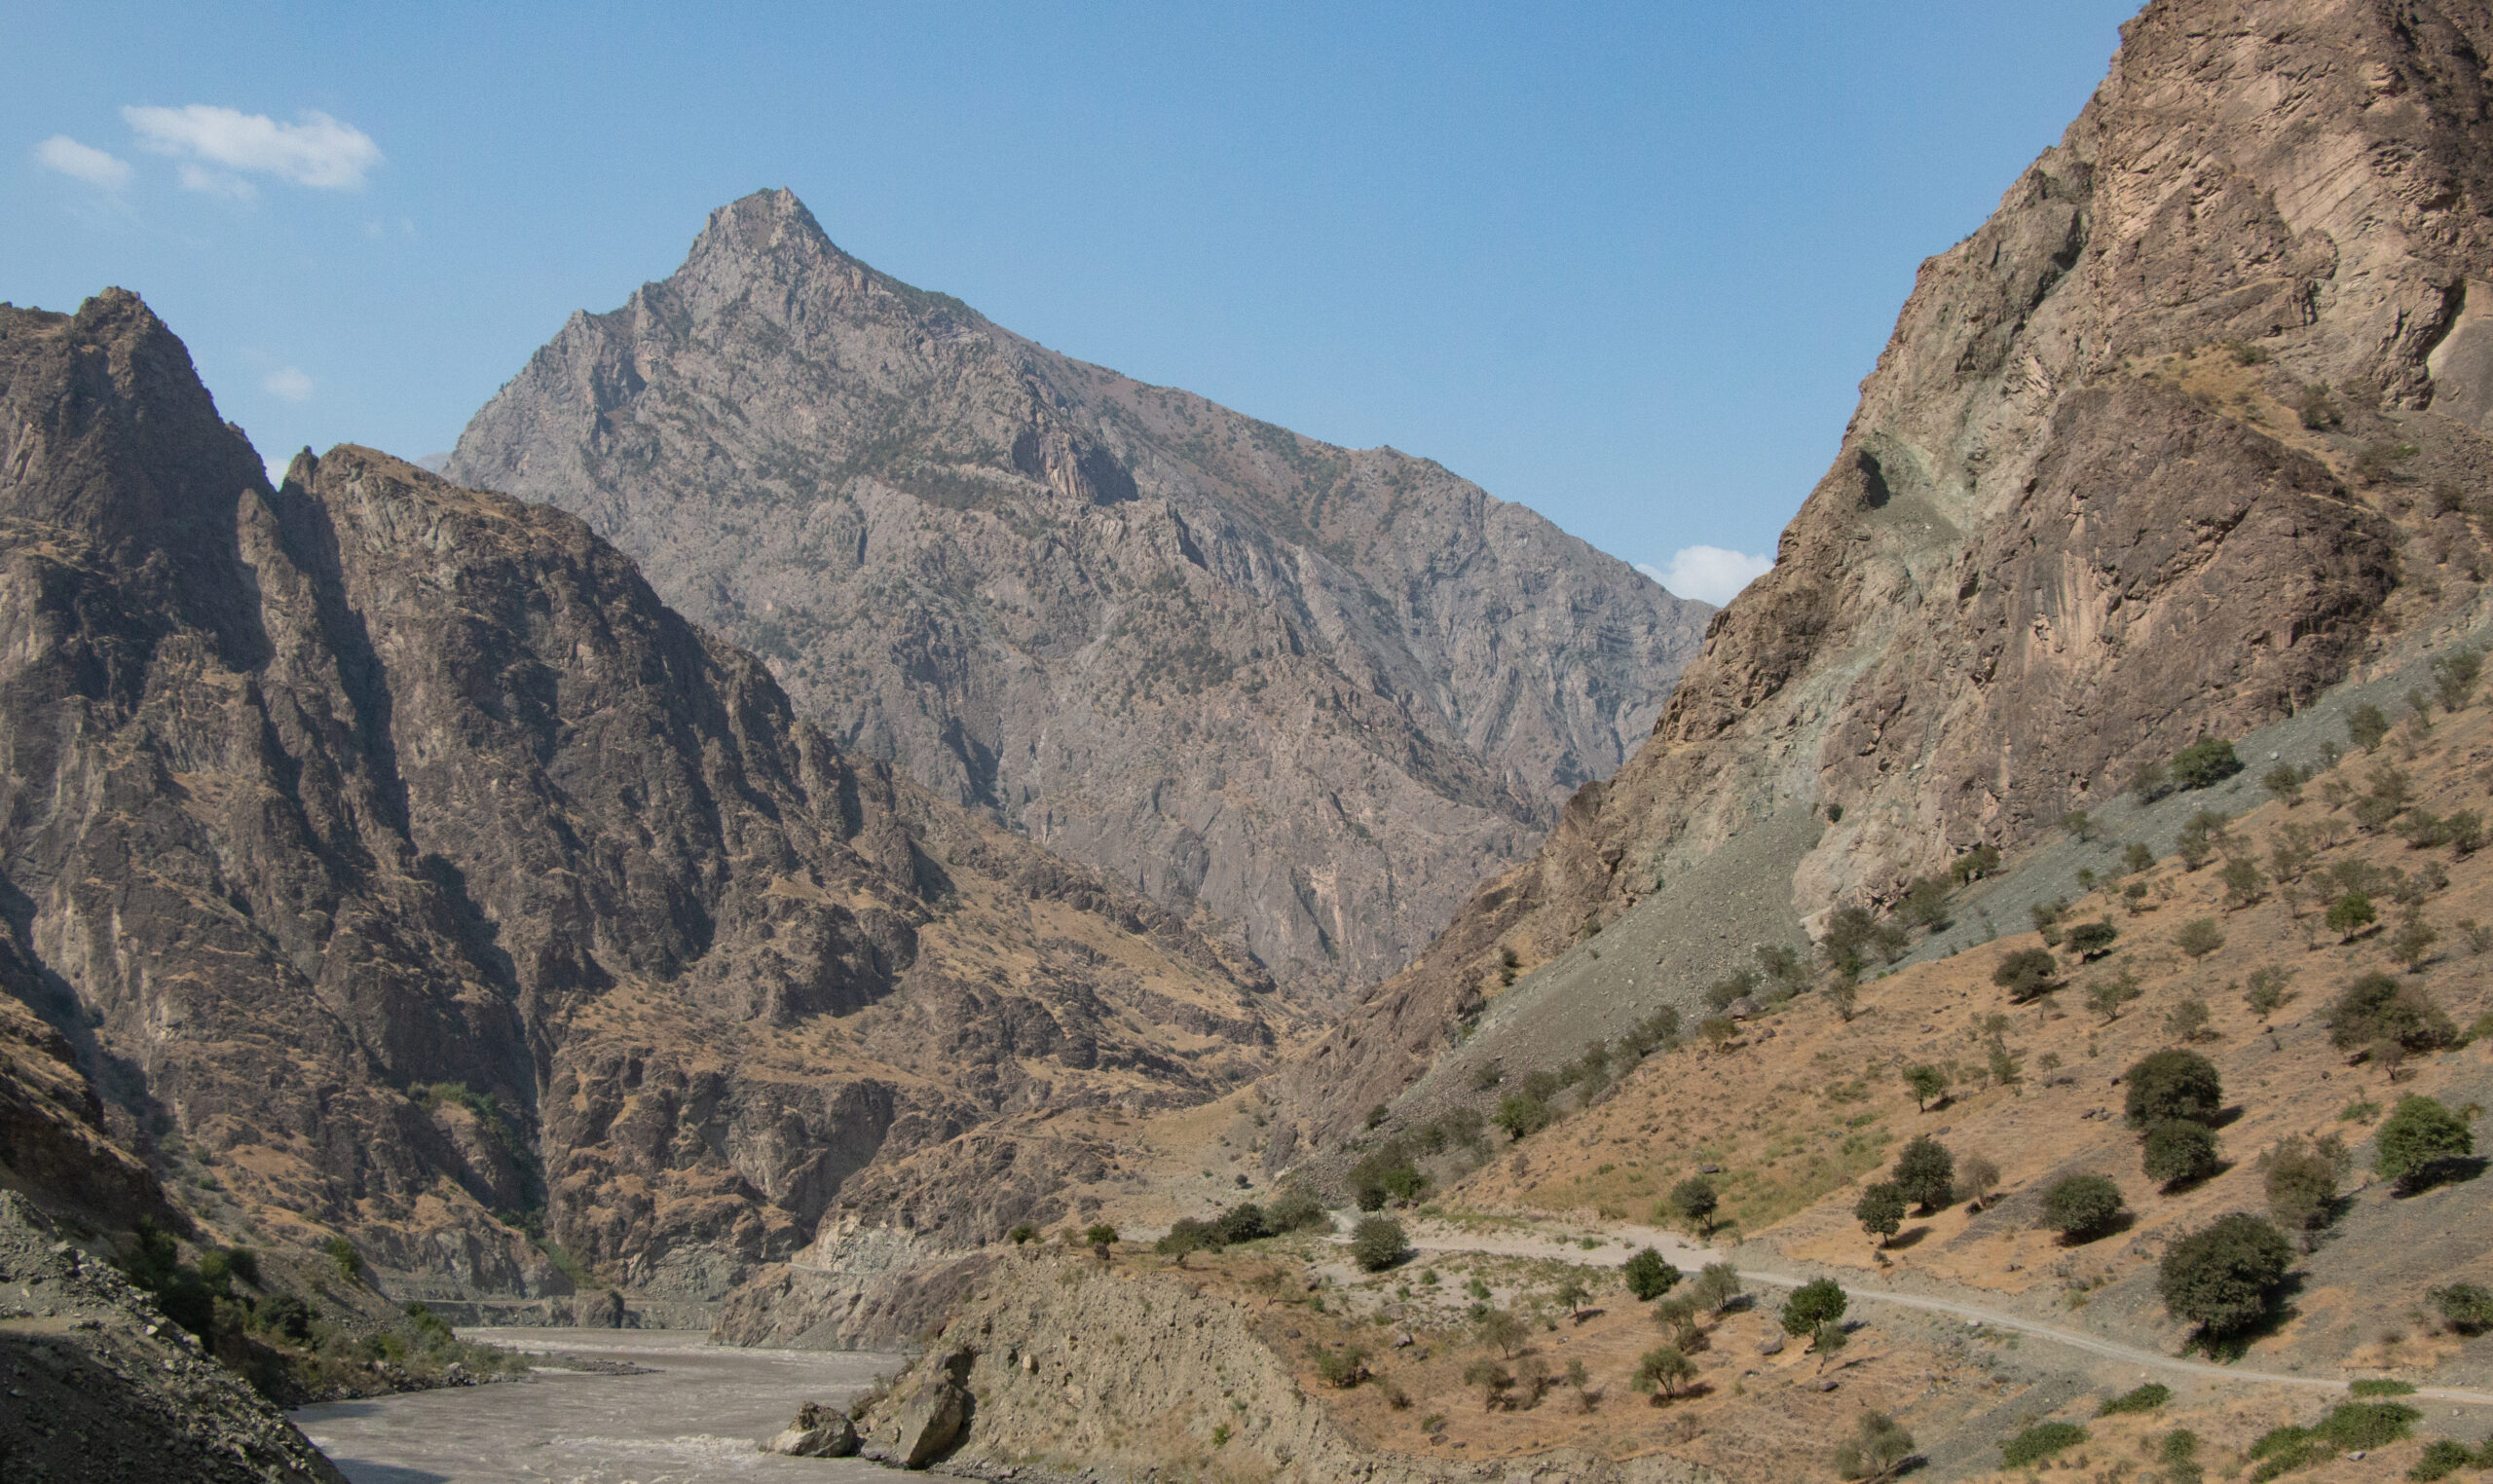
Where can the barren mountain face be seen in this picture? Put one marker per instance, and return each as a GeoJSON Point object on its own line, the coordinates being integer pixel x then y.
{"type": "Point", "coordinates": [396, 862]}
{"type": "Point", "coordinates": [1319, 693]}
{"type": "Point", "coordinates": [2167, 447]}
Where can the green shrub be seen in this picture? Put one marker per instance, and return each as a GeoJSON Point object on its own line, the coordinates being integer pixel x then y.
{"type": "Point", "coordinates": [2420, 1143]}
{"type": "Point", "coordinates": [1926, 1172]}
{"type": "Point", "coordinates": [2466, 1307]}
{"type": "Point", "coordinates": [1881, 1210]}
{"type": "Point", "coordinates": [2302, 1175]}
{"type": "Point", "coordinates": [2366, 725]}
{"type": "Point", "coordinates": [2180, 1152]}
{"type": "Point", "coordinates": [1694, 1201]}
{"type": "Point", "coordinates": [2026, 974]}
{"type": "Point", "coordinates": [2381, 1388]}
{"type": "Point", "coordinates": [2220, 1277]}
{"type": "Point", "coordinates": [348, 1261]}
{"type": "Point", "coordinates": [2377, 1008]}
{"type": "Point", "coordinates": [2441, 1460]}
{"type": "Point", "coordinates": [1811, 1305]}
{"type": "Point", "coordinates": [1662, 1372]}
{"type": "Point", "coordinates": [2145, 1398]}
{"type": "Point", "coordinates": [2173, 1084]}
{"type": "Point", "coordinates": [1521, 1115]}
{"type": "Point", "coordinates": [1345, 1367]}
{"type": "Point", "coordinates": [2203, 764]}
{"type": "Point", "coordinates": [2199, 937]}
{"type": "Point", "coordinates": [1378, 1243]}
{"type": "Point", "coordinates": [1649, 1275]}
{"type": "Point", "coordinates": [2082, 1208]}
{"type": "Point", "coordinates": [2351, 914]}
{"type": "Point", "coordinates": [2039, 1443]}
{"type": "Point", "coordinates": [1927, 1084]}
{"type": "Point", "coordinates": [1296, 1211]}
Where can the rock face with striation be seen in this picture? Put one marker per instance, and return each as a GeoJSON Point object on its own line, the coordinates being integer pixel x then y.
{"type": "Point", "coordinates": [391, 851]}
{"type": "Point", "coordinates": [2152, 454]}
{"type": "Point", "coordinates": [1320, 693]}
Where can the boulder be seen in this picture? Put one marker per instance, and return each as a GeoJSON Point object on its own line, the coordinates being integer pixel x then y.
{"type": "Point", "coordinates": [833, 1438]}
{"type": "Point", "coordinates": [928, 1423]}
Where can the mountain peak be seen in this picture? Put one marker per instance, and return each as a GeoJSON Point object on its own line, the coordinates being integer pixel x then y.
{"type": "Point", "coordinates": [761, 225]}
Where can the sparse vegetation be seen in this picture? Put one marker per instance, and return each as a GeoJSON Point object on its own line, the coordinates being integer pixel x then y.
{"type": "Point", "coordinates": [1878, 1448]}
{"type": "Point", "coordinates": [2144, 1398]}
{"type": "Point", "coordinates": [2199, 937]}
{"type": "Point", "coordinates": [2301, 1184]}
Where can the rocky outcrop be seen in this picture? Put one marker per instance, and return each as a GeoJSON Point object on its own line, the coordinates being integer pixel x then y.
{"type": "Point", "coordinates": [925, 1425]}
{"type": "Point", "coordinates": [1066, 1364]}
{"type": "Point", "coordinates": [1318, 693]}
{"type": "Point", "coordinates": [815, 1434]}
{"type": "Point", "coordinates": [2150, 454]}
{"type": "Point", "coordinates": [104, 1389]}
{"type": "Point", "coordinates": [391, 853]}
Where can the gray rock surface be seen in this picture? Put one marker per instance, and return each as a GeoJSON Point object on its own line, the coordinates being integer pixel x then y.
{"type": "Point", "coordinates": [395, 850]}
{"type": "Point", "coordinates": [1320, 693]}
{"type": "Point", "coordinates": [103, 1388]}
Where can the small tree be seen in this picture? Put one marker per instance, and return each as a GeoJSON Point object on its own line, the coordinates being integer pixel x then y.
{"type": "Point", "coordinates": [1649, 1275]}
{"type": "Point", "coordinates": [2366, 725]}
{"type": "Point", "coordinates": [2454, 677]}
{"type": "Point", "coordinates": [1976, 1178]}
{"type": "Point", "coordinates": [2180, 1152]}
{"type": "Point", "coordinates": [1378, 1243]}
{"type": "Point", "coordinates": [1695, 1200]}
{"type": "Point", "coordinates": [1505, 1331]}
{"type": "Point", "coordinates": [1925, 1172]}
{"type": "Point", "coordinates": [2302, 1184]}
{"type": "Point", "coordinates": [1881, 1210]}
{"type": "Point", "coordinates": [2244, 881]}
{"type": "Point", "coordinates": [2265, 993]}
{"type": "Point", "coordinates": [1186, 1235]}
{"type": "Point", "coordinates": [2188, 1022]}
{"type": "Point", "coordinates": [1811, 1305]}
{"type": "Point", "coordinates": [2026, 974]}
{"type": "Point", "coordinates": [2419, 1143]}
{"type": "Point", "coordinates": [2199, 937]}
{"type": "Point", "coordinates": [2220, 1277]}
{"type": "Point", "coordinates": [2412, 943]}
{"type": "Point", "coordinates": [2377, 1008]}
{"type": "Point", "coordinates": [1570, 1296]}
{"type": "Point", "coordinates": [1717, 1284]}
{"type": "Point", "coordinates": [1100, 1237]}
{"type": "Point", "coordinates": [1678, 1315]}
{"type": "Point", "coordinates": [2091, 940]}
{"type": "Point", "coordinates": [1492, 1380]}
{"type": "Point", "coordinates": [2350, 914]}
{"type": "Point", "coordinates": [2106, 996]}
{"type": "Point", "coordinates": [2082, 1208]}
{"type": "Point", "coordinates": [1927, 1083]}
{"type": "Point", "coordinates": [2173, 1084]}
{"type": "Point", "coordinates": [1663, 1373]}
{"type": "Point", "coordinates": [1520, 1114]}
{"type": "Point", "coordinates": [1879, 1447]}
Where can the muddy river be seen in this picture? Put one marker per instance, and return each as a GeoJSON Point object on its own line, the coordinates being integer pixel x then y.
{"type": "Point", "coordinates": [695, 1416]}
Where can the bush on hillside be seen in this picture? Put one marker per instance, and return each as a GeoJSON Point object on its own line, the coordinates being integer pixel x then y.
{"type": "Point", "coordinates": [2220, 1277]}
{"type": "Point", "coordinates": [2026, 974]}
{"type": "Point", "coordinates": [1813, 1305]}
{"type": "Point", "coordinates": [1649, 1275]}
{"type": "Point", "coordinates": [2376, 1010]}
{"type": "Point", "coordinates": [1926, 1172]}
{"type": "Point", "coordinates": [1378, 1243]}
{"type": "Point", "coordinates": [2173, 1084]}
{"type": "Point", "coordinates": [2039, 1443]}
{"type": "Point", "coordinates": [2178, 1152]}
{"type": "Point", "coordinates": [2203, 764]}
{"type": "Point", "coordinates": [2421, 1143]}
{"type": "Point", "coordinates": [2083, 1207]}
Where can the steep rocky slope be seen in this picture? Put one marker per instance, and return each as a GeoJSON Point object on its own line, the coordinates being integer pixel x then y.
{"type": "Point", "coordinates": [1320, 693]}
{"type": "Point", "coordinates": [394, 860]}
{"type": "Point", "coordinates": [2174, 442]}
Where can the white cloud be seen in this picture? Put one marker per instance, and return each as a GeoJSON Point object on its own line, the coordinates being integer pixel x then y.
{"type": "Point", "coordinates": [218, 182]}
{"type": "Point", "coordinates": [292, 385]}
{"type": "Point", "coordinates": [318, 151]}
{"type": "Point", "coordinates": [83, 162]}
{"type": "Point", "coordinates": [1708, 574]}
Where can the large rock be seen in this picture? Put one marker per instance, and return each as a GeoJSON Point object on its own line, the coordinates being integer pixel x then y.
{"type": "Point", "coordinates": [815, 1434]}
{"type": "Point", "coordinates": [1321, 691]}
{"type": "Point", "coordinates": [923, 1428]}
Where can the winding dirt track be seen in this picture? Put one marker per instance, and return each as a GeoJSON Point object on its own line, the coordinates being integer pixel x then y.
{"type": "Point", "coordinates": [1618, 1242]}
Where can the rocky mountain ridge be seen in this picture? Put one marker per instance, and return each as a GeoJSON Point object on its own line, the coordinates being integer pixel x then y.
{"type": "Point", "coordinates": [1317, 694]}
{"type": "Point", "coordinates": [2169, 445]}
{"type": "Point", "coordinates": [398, 866]}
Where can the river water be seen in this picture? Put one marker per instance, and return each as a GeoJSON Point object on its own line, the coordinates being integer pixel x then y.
{"type": "Point", "coordinates": [695, 1418]}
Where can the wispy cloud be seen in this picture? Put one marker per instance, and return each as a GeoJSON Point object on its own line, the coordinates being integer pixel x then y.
{"type": "Point", "coordinates": [1708, 574]}
{"type": "Point", "coordinates": [289, 384]}
{"type": "Point", "coordinates": [83, 162]}
{"type": "Point", "coordinates": [219, 146]}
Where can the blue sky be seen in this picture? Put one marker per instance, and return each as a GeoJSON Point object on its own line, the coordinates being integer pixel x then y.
{"type": "Point", "coordinates": [1623, 262]}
